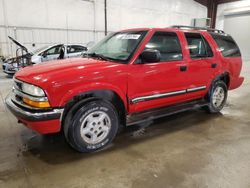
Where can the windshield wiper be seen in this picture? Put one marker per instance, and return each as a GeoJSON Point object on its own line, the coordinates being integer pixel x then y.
{"type": "Point", "coordinates": [100, 56]}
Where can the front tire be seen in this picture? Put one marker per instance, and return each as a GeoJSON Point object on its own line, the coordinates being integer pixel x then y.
{"type": "Point", "coordinates": [92, 127]}
{"type": "Point", "coordinates": [217, 97]}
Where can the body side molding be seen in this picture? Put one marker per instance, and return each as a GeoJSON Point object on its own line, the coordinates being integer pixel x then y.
{"type": "Point", "coordinates": [168, 94]}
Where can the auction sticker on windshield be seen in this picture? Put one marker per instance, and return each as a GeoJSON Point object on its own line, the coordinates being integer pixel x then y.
{"type": "Point", "coordinates": [128, 36]}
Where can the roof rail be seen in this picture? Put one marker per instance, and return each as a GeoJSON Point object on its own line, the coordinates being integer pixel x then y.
{"type": "Point", "coordinates": [198, 28]}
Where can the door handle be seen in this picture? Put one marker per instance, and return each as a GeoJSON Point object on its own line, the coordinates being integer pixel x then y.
{"type": "Point", "coordinates": [213, 65]}
{"type": "Point", "coordinates": [183, 68]}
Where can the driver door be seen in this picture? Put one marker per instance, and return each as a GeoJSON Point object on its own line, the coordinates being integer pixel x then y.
{"type": "Point", "coordinates": [52, 53]}
{"type": "Point", "coordinates": [163, 83]}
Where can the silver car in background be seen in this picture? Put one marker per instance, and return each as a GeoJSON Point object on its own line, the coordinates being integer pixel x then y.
{"type": "Point", "coordinates": [46, 53]}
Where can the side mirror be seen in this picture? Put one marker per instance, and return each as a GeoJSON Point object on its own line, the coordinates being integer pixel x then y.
{"type": "Point", "coordinates": [44, 54]}
{"type": "Point", "coordinates": [150, 56]}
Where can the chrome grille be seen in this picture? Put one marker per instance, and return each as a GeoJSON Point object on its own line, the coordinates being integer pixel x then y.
{"type": "Point", "coordinates": [17, 85]}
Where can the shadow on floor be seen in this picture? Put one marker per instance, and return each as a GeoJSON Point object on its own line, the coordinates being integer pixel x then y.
{"type": "Point", "coordinates": [53, 149]}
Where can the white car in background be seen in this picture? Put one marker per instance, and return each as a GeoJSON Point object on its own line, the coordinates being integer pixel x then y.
{"type": "Point", "coordinates": [58, 51]}
{"type": "Point", "coordinates": [46, 53]}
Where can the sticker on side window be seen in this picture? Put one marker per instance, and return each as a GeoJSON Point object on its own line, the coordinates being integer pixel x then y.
{"type": "Point", "coordinates": [128, 36]}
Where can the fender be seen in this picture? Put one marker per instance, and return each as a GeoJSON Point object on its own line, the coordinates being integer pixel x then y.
{"type": "Point", "coordinates": [223, 76]}
{"type": "Point", "coordinates": [105, 94]}
{"type": "Point", "coordinates": [97, 89]}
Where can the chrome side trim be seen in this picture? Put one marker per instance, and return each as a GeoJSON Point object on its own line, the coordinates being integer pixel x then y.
{"type": "Point", "coordinates": [196, 89]}
{"type": "Point", "coordinates": [21, 94]}
{"type": "Point", "coordinates": [169, 94]}
{"type": "Point", "coordinates": [156, 96]}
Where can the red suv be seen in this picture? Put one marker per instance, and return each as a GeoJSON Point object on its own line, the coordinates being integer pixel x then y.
{"type": "Point", "coordinates": [130, 77]}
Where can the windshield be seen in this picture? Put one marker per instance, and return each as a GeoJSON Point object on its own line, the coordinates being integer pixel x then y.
{"type": "Point", "coordinates": [40, 49]}
{"type": "Point", "coordinates": [118, 46]}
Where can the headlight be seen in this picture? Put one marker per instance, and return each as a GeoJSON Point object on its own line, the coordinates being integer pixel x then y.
{"type": "Point", "coordinates": [32, 90]}
{"type": "Point", "coordinates": [31, 95]}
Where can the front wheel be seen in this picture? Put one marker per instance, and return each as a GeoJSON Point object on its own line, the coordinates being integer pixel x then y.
{"type": "Point", "coordinates": [93, 126]}
{"type": "Point", "coordinates": [217, 97]}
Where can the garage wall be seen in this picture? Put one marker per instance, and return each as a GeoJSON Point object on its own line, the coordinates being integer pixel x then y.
{"type": "Point", "coordinates": [229, 7]}
{"type": "Point", "coordinates": [234, 18]}
{"type": "Point", "coordinates": [45, 22]}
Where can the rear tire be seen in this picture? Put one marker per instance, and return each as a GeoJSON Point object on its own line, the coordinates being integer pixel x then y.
{"type": "Point", "coordinates": [92, 127]}
{"type": "Point", "coordinates": [217, 97]}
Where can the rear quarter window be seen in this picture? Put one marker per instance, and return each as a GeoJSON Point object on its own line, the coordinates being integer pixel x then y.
{"type": "Point", "coordinates": [227, 45]}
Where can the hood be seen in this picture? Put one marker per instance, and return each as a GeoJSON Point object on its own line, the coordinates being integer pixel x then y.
{"type": "Point", "coordinates": [19, 44]}
{"type": "Point", "coordinates": [59, 70]}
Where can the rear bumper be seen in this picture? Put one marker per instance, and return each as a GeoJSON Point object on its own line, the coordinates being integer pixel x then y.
{"type": "Point", "coordinates": [43, 122]}
{"type": "Point", "coordinates": [235, 82]}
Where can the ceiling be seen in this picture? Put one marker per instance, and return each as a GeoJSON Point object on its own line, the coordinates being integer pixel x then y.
{"type": "Point", "coordinates": [207, 2]}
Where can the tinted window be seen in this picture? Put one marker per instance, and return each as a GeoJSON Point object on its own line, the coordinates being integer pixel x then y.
{"type": "Point", "coordinates": [198, 46]}
{"type": "Point", "coordinates": [168, 44]}
{"type": "Point", "coordinates": [75, 49]}
{"type": "Point", "coordinates": [227, 45]}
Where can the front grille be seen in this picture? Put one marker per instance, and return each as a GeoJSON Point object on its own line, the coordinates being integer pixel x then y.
{"type": "Point", "coordinates": [18, 98]}
{"type": "Point", "coordinates": [18, 85]}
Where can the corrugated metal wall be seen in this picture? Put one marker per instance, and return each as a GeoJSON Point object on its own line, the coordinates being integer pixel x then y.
{"type": "Point", "coordinates": [234, 19]}
{"type": "Point", "coordinates": [43, 22]}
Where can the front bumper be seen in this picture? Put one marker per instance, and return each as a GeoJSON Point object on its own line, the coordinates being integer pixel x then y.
{"type": "Point", "coordinates": [42, 121]}
{"type": "Point", "coordinates": [8, 70]}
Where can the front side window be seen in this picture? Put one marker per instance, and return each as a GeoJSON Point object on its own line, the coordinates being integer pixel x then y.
{"type": "Point", "coordinates": [198, 46]}
{"type": "Point", "coordinates": [168, 45]}
{"type": "Point", "coordinates": [118, 46]}
{"type": "Point", "coordinates": [227, 45]}
{"type": "Point", "coordinates": [54, 50]}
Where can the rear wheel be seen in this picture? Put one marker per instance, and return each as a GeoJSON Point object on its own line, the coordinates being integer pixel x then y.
{"type": "Point", "coordinates": [217, 97]}
{"type": "Point", "coordinates": [92, 127]}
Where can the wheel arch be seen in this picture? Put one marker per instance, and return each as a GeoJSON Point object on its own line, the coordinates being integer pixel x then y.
{"type": "Point", "coordinates": [105, 94]}
{"type": "Point", "coordinates": [225, 77]}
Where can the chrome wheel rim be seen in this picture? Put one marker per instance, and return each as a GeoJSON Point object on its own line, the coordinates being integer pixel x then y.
{"type": "Point", "coordinates": [218, 96]}
{"type": "Point", "coordinates": [95, 127]}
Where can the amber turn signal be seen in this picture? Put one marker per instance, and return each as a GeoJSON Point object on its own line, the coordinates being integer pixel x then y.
{"type": "Point", "coordinates": [37, 104]}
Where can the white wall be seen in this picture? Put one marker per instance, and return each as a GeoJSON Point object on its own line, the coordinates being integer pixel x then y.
{"type": "Point", "coordinates": [80, 21]}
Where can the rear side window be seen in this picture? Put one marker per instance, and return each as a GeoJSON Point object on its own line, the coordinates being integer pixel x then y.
{"type": "Point", "coordinates": [168, 44]}
{"type": "Point", "coordinates": [198, 46]}
{"type": "Point", "coordinates": [75, 49]}
{"type": "Point", "coordinates": [227, 45]}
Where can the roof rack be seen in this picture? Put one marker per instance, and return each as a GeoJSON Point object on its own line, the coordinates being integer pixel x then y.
{"type": "Point", "coordinates": [198, 28]}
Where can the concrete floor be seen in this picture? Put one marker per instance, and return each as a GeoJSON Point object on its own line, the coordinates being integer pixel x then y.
{"type": "Point", "coordinates": [191, 149]}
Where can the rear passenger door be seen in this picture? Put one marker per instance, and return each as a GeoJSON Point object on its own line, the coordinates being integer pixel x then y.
{"type": "Point", "coordinates": [75, 50]}
{"type": "Point", "coordinates": [201, 64]}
